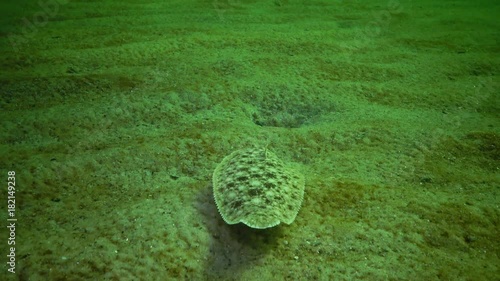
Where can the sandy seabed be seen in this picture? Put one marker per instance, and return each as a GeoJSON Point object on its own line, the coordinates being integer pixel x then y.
{"type": "Point", "coordinates": [114, 115]}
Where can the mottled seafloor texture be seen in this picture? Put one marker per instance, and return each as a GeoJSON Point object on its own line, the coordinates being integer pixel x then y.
{"type": "Point", "coordinates": [114, 115]}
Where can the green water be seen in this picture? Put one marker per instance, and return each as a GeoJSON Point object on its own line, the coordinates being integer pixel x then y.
{"type": "Point", "coordinates": [114, 115]}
